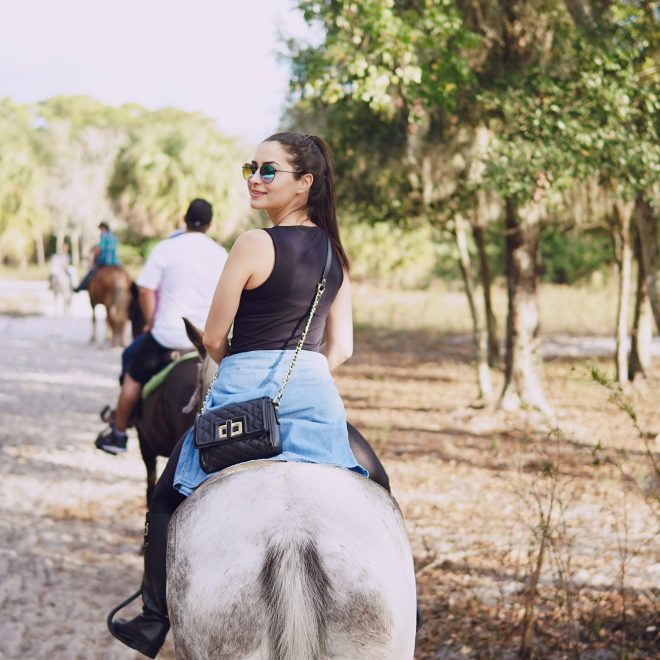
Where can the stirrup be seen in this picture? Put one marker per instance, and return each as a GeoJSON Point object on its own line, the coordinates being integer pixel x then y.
{"type": "Point", "coordinates": [121, 606]}
{"type": "Point", "coordinates": [106, 414]}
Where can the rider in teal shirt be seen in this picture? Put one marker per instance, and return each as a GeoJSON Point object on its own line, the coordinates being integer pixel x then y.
{"type": "Point", "coordinates": [105, 254]}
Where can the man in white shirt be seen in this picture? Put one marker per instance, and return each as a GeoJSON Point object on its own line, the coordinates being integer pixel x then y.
{"type": "Point", "coordinates": [178, 280]}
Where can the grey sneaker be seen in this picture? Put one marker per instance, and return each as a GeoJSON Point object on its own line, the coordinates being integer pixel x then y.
{"type": "Point", "coordinates": [111, 441]}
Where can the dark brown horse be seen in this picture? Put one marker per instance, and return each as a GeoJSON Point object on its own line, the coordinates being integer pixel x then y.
{"type": "Point", "coordinates": [164, 416]}
{"type": "Point", "coordinates": [111, 287]}
{"type": "Point", "coordinates": [161, 418]}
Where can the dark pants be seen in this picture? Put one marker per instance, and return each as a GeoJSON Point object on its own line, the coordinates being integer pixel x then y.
{"type": "Point", "coordinates": [147, 358]}
{"type": "Point", "coordinates": [166, 498]}
{"type": "Point", "coordinates": [84, 284]}
{"type": "Point", "coordinates": [127, 355]}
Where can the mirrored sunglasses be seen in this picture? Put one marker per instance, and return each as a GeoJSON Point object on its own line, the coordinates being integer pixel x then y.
{"type": "Point", "coordinates": [266, 172]}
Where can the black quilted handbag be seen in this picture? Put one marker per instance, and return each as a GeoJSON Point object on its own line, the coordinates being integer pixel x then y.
{"type": "Point", "coordinates": [236, 433]}
{"type": "Point", "coordinates": [248, 430]}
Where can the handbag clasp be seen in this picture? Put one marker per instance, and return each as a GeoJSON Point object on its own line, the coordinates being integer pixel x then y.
{"type": "Point", "coordinates": [230, 429]}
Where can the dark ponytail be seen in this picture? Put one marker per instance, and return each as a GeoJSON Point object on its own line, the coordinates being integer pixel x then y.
{"type": "Point", "coordinates": [310, 154]}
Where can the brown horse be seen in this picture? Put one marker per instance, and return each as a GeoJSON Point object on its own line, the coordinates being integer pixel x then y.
{"type": "Point", "coordinates": [111, 287]}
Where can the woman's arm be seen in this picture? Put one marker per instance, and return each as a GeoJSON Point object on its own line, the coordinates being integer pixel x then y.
{"type": "Point", "coordinates": [251, 254]}
{"type": "Point", "coordinates": [338, 346]}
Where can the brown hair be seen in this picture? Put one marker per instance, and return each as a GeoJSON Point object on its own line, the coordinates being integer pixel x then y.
{"type": "Point", "coordinates": [310, 154]}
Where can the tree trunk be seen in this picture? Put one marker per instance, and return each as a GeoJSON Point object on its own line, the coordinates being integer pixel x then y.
{"type": "Point", "coordinates": [523, 375]}
{"type": "Point", "coordinates": [479, 333]}
{"type": "Point", "coordinates": [623, 214]}
{"type": "Point", "coordinates": [39, 248]}
{"type": "Point", "coordinates": [642, 332]}
{"type": "Point", "coordinates": [491, 322]}
{"type": "Point", "coordinates": [75, 249]}
{"type": "Point", "coordinates": [59, 241]}
{"type": "Point", "coordinates": [648, 224]}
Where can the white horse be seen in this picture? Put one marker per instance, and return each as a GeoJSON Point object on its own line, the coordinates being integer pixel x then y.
{"type": "Point", "coordinates": [290, 561]}
{"type": "Point", "coordinates": [61, 283]}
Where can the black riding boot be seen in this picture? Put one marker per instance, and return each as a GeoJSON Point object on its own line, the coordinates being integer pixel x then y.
{"type": "Point", "coordinates": [146, 632]}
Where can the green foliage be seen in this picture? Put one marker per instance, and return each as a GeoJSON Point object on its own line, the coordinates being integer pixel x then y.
{"type": "Point", "coordinates": [68, 163]}
{"type": "Point", "coordinates": [408, 256]}
{"type": "Point", "coordinates": [130, 256]}
{"type": "Point", "coordinates": [23, 216]}
{"type": "Point", "coordinates": [591, 110]}
{"type": "Point", "coordinates": [369, 176]}
{"type": "Point", "coordinates": [568, 256]}
{"type": "Point", "coordinates": [568, 90]}
{"type": "Point", "coordinates": [390, 254]}
{"type": "Point", "coordinates": [170, 158]}
{"type": "Point", "coordinates": [82, 136]}
{"type": "Point", "coordinates": [385, 54]}
{"type": "Point", "coordinates": [83, 111]}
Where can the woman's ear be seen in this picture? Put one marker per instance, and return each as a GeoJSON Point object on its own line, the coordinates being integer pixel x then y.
{"type": "Point", "coordinates": [305, 182]}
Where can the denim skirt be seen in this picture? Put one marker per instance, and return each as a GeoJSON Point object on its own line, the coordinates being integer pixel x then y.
{"type": "Point", "coordinates": [311, 412]}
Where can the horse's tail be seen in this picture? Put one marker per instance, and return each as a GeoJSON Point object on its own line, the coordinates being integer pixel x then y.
{"type": "Point", "coordinates": [296, 589]}
{"type": "Point", "coordinates": [135, 315]}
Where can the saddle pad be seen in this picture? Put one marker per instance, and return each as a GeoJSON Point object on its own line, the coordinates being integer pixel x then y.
{"type": "Point", "coordinates": [157, 380]}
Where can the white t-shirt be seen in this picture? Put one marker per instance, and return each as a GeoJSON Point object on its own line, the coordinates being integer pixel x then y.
{"type": "Point", "coordinates": [184, 269]}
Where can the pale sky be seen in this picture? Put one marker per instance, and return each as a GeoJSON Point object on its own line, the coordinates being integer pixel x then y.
{"type": "Point", "coordinates": [217, 57]}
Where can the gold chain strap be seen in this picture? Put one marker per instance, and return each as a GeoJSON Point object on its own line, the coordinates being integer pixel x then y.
{"type": "Point", "coordinates": [320, 288]}
{"type": "Point", "coordinates": [208, 393]}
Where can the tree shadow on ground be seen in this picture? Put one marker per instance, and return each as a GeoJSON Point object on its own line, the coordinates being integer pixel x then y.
{"type": "Point", "coordinates": [458, 624]}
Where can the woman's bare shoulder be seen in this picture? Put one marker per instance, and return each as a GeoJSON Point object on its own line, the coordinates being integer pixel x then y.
{"type": "Point", "coordinates": [253, 239]}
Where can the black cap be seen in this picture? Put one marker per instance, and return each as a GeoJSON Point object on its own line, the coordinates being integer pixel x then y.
{"type": "Point", "coordinates": [199, 213]}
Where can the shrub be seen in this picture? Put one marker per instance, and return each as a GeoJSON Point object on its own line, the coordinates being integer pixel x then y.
{"type": "Point", "coordinates": [570, 256]}
{"type": "Point", "coordinates": [389, 254]}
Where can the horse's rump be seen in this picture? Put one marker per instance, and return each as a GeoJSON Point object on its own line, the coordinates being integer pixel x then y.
{"type": "Point", "coordinates": [109, 282]}
{"type": "Point", "coordinates": [290, 561]}
{"type": "Point", "coordinates": [111, 287]}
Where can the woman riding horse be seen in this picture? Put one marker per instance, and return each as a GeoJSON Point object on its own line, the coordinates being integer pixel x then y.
{"type": "Point", "coordinates": [265, 293]}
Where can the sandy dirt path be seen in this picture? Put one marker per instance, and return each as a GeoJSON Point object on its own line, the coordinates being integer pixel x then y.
{"type": "Point", "coordinates": [70, 516]}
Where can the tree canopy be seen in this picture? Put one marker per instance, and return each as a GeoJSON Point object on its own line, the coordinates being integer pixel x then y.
{"type": "Point", "coordinates": [68, 163]}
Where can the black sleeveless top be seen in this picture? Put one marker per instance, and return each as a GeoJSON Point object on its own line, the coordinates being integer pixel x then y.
{"type": "Point", "coordinates": [273, 316]}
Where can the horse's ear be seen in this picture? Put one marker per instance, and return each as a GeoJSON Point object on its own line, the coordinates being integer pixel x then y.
{"type": "Point", "coordinates": [195, 335]}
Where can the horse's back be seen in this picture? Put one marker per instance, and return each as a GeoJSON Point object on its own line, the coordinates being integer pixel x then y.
{"type": "Point", "coordinates": [162, 420]}
{"type": "Point", "coordinates": [291, 561]}
{"type": "Point", "coordinates": [108, 283]}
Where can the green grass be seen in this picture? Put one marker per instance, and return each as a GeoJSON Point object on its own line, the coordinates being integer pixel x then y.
{"type": "Point", "coordinates": [443, 308]}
